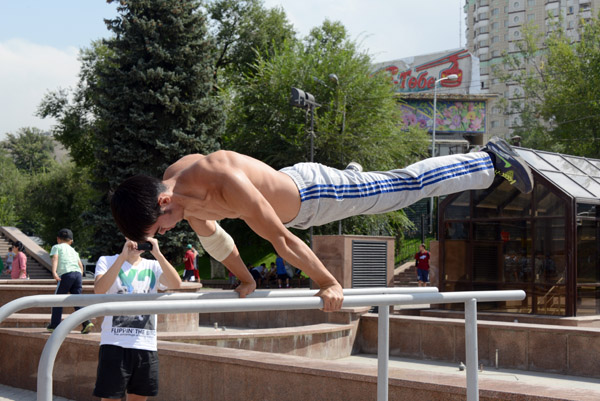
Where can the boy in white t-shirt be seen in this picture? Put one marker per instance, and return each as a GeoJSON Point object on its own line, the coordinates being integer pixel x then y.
{"type": "Point", "coordinates": [128, 358]}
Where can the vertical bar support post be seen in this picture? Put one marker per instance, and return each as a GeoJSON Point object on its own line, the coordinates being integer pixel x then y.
{"type": "Point", "coordinates": [383, 351]}
{"type": "Point", "coordinates": [471, 349]}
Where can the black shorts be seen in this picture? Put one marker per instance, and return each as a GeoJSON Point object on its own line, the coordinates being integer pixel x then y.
{"type": "Point", "coordinates": [126, 369]}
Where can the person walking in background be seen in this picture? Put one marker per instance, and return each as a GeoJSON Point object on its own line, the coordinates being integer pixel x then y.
{"type": "Point", "coordinates": [272, 274]}
{"type": "Point", "coordinates": [128, 357]}
{"type": "Point", "coordinates": [232, 280]}
{"type": "Point", "coordinates": [67, 270]}
{"type": "Point", "coordinates": [196, 271]}
{"type": "Point", "coordinates": [188, 259]}
{"type": "Point", "coordinates": [281, 272]}
{"type": "Point", "coordinates": [258, 273]}
{"type": "Point", "coordinates": [289, 269]}
{"type": "Point", "coordinates": [19, 264]}
{"type": "Point", "coordinates": [422, 262]}
{"type": "Point", "coordinates": [9, 258]}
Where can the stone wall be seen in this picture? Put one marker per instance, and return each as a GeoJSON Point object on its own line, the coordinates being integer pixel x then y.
{"type": "Point", "coordinates": [197, 373]}
{"type": "Point", "coordinates": [535, 347]}
{"type": "Point", "coordinates": [10, 291]}
{"type": "Point", "coordinates": [317, 341]}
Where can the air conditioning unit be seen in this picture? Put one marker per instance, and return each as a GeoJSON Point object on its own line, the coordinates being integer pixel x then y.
{"type": "Point", "coordinates": [369, 264]}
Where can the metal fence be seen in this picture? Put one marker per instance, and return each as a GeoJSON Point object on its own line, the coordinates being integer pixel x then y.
{"type": "Point", "coordinates": [227, 301]}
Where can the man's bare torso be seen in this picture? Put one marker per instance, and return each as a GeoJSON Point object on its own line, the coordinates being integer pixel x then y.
{"type": "Point", "coordinates": [201, 182]}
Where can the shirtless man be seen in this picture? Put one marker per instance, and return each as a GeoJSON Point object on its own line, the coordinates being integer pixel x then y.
{"type": "Point", "coordinates": [203, 189]}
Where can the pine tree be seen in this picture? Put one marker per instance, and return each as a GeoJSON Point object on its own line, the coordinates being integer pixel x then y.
{"type": "Point", "coordinates": [155, 100]}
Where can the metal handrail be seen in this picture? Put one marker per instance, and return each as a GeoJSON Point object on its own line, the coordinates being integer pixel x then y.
{"type": "Point", "coordinates": [34, 301]}
{"type": "Point", "coordinates": [470, 298]}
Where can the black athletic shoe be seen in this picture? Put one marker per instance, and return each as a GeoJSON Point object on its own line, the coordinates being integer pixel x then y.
{"type": "Point", "coordinates": [509, 165]}
{"type": "Point", "coordinates": [87, 327]}
{"type": "Point", "coordinates": [50, 329]}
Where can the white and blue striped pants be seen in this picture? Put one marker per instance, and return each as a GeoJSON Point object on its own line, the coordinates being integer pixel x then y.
{"type": "Point", "coordinates": [328, 194]}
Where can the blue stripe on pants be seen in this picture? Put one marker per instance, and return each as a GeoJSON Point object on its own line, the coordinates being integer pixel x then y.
{"type": "Point", "coordinates": [397, 184]}
{"type": "Point", "coordinates": [328, 194]}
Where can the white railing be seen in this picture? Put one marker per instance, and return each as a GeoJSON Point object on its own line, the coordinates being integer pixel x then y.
{"type": "Point", "coordinates": [265, 301]}
{"type": "Point", "coordinates": [34, 301]}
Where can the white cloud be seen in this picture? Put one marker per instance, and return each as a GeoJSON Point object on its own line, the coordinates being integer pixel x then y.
{"type": "Point", "coordinates": [27, 72]}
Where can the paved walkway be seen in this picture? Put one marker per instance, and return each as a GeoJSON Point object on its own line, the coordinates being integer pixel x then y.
{"type": "Point", "coordinates": [17, 394]}
{"type": "Point", "coordinates": [544, 380]}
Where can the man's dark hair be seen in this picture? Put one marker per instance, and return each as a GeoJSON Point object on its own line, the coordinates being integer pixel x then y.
{"type": "Point", "coordinates": [134, 205]}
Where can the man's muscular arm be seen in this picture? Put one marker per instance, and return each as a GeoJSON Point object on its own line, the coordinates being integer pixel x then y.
{"type": "Point", "coordinates": [233, 262]}
{"type": "Point", "coordinates": [242, 196]}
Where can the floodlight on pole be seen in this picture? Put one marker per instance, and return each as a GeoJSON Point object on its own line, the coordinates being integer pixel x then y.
{"type": "Point", "coordinates": [434, 117]}
{"type": "Point", "coordinates": [302, 99]}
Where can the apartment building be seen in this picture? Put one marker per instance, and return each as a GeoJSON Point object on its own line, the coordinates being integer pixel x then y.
{"type": "Point", "coordinates": [494, 27]}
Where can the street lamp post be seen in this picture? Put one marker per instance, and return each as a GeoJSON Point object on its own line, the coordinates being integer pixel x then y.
{"type": "Point", "coordinates": [306, 101]}
{"type": "Point", "coordinates": [451, 76]}
{"type": "Point", "coordinates": [334, 78]}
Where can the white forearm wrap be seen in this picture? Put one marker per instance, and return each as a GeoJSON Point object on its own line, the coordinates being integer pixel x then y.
{"type": "Point", "coordinates": [219, 245]}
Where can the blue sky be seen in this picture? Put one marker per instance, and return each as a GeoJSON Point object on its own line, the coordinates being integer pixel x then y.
{"type": "Point", "coordinates": [60, 23]}
{"type": "Point", "coordinates": [40, 39]}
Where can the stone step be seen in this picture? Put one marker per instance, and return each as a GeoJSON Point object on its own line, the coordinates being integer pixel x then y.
{"type": "Point", "coordinates": [406, 275]}
{"type": "Point", "coordinates": [179, 322]}
{"type": "Point", "coordinates": [317, 341]}
{"type": "Point", "coordinates": [39, 320]}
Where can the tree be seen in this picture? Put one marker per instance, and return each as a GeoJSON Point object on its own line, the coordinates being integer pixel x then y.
{"type": "Point", "coordinates": [11, 187]}
{"type": "Point", "coordinates": [358, 118]}
{"type": "Point", "coordinates": [559, 79]}
{"type": "Point", "coordinates": [242, 30]}
{"type": "Point", "coordinates": [31, 149]}
{"type": "Point", "coordinates": [57, 199]}
{"type": "Point", "coordinates": [571, 98]}
{"type": "Point", "coordinates": [154, 102]}
{"type": "Point", "coordinates": [239, 28]}
{"type": "Point", "coordinates": [42, 195]}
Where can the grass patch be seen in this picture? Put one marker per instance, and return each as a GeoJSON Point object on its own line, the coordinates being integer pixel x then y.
{"type": "Point", "coordinates": [254, 255]}
{"type": "Point", "coordinates": [408, 247]}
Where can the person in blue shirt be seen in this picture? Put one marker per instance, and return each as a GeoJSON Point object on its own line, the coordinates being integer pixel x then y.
{"type": "Point", "coordinates": [282, 272]}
